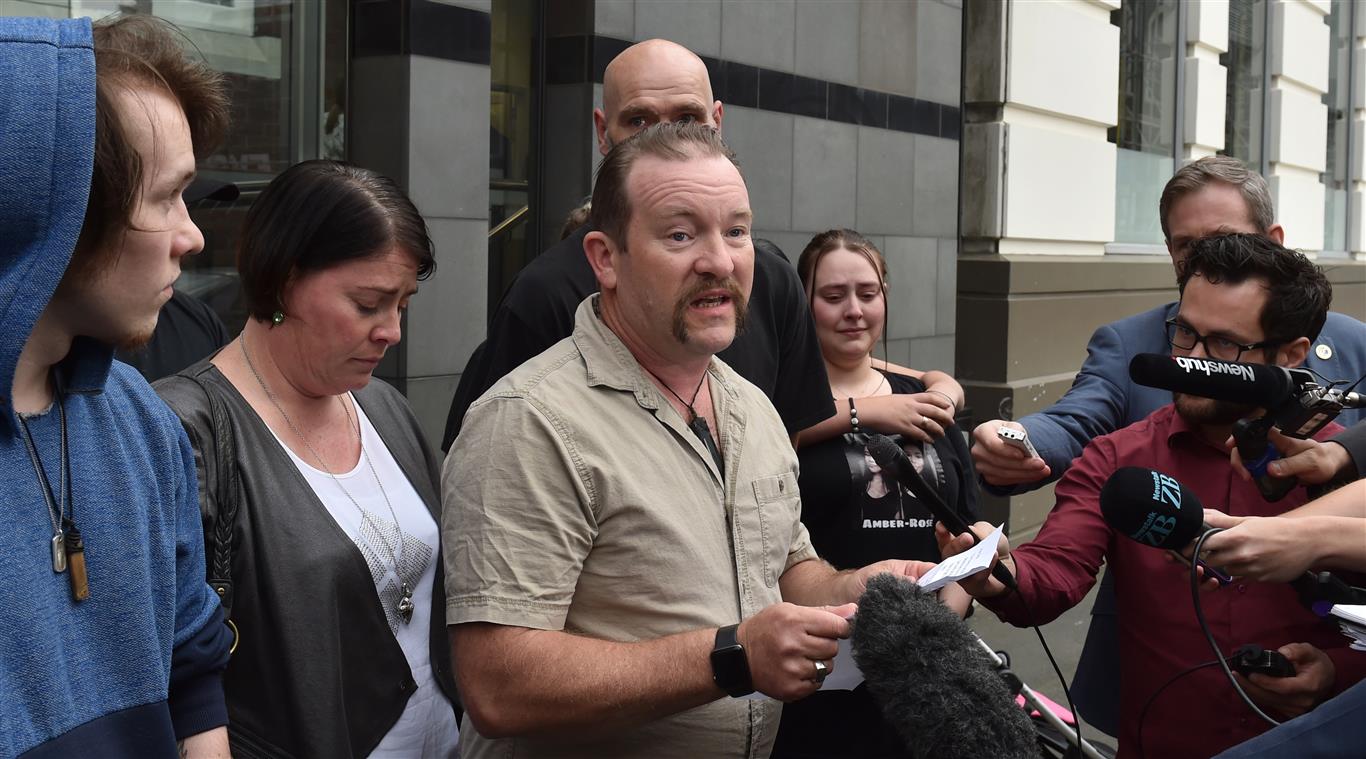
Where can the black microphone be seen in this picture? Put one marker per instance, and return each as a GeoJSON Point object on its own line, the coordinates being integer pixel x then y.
{"type": "Point", "coordinates": [1250, 384]}
{"type": "Point", "coordinates": [1155, 509]}
{"type": "Point", "coordinates": [935, 685]}
{"type": "Point", "coordinates": [1294, 402]}
{"type": "Point", "coordinates": [890, 458]}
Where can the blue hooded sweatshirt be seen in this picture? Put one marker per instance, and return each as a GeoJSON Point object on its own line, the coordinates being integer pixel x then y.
{"type": "Point", "coordinates": [137, 665]}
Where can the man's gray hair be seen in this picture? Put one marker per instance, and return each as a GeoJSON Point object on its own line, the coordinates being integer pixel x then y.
{"type": "Point", "coordinates": [1230, 171]}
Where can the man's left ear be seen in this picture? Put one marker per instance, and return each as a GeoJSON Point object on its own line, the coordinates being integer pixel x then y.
{"type": "Point", "coordinates": [1292, 354]}
{"type": "Point", "coordinates": [598, 248]}
{"type": "Point", "coordinates": [717, 111]}
{"type": "Point", "coordinates": [1277, 233]}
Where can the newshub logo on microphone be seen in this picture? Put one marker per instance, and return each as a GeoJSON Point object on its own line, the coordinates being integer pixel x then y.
{"type": "Point", "coordinates": [1193, 365]}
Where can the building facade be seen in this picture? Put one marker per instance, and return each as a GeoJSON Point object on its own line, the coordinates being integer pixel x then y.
{"type": "Point", "coordinates": [1063, 119]}
{"type": "Point", "coordinates": [1077, 112]}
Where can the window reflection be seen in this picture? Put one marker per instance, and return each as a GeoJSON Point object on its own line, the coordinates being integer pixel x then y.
{"type": "Point", "coordinates": [1147, 116]}
{"type": "Point", "coordinates": [512, 152]}
{"type": "Point", "coordinates": [1246, 64]}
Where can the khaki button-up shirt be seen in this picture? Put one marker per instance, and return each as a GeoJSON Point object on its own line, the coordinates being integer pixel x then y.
{"type": "Point", "coordinates": [577, 499]}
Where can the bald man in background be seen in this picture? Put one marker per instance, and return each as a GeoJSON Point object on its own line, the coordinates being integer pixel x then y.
{"type": "Point", "coordinates": [660, 81]}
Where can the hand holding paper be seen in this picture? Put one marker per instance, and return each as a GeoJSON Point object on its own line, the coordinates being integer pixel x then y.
{"type": "Point", "coordinates": [979, 584]}
{"type": "Point", "coordinates": [970, 562]}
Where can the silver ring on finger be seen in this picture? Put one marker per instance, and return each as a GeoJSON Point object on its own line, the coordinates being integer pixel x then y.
{"type": "Point", "coordinates": [822, 670]}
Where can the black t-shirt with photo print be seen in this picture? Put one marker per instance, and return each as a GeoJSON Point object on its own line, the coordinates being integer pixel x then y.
{"type": "Point", "coordinates": [857, 516]}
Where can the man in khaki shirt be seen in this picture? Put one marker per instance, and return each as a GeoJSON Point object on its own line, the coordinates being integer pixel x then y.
{"type": "Point", "coordinates": [622, 510]}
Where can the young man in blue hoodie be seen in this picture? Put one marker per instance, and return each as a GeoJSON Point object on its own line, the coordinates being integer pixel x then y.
{"type": "Point", "coordinates": [113, 644]}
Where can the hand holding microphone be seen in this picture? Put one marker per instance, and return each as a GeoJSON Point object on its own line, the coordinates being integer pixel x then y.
{"type": "Point", "coordinates": [1258, 548]}
{"type": "Point", "coordinates": [1284, 548]}
{"type": "Point", "coordinates": [1307, 460]}
{"type": "Point", "coordinates": [1154, 509]}
{"type": "Point", "coordinates": [890, 458]}
{"type": "Point", "coordinates": [987, 583]}
{"type": "Point", "coordinates": [1294, 404]}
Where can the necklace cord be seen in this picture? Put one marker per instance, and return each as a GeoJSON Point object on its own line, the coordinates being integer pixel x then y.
{"type": "Point", "coordinates": [56, 510]}
{"type": "Point", "coordinates": [837, 393]}
{"type": "Point", "coordinates": [691, 411]}
{"type": "Point", "coordinates": [405, 605]}
{"type": "Point", "coordinates": [696, 423]}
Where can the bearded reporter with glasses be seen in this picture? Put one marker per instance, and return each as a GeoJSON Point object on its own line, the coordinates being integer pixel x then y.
{"type": "Point", "coordinates": [1184, 337]}
{"type": "Point", "coordinates": [1242, 296]}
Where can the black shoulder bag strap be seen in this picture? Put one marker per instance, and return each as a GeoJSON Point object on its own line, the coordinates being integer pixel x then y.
{"type": "Point", "coordinates": [225, 494]}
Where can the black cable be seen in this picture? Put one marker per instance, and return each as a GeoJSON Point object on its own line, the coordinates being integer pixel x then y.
{"type": "Point", "coordinates": [1076, 721]}
{"type": "Point", "coordinates": [1320, 376]}
{"type": "Point", "coordinates": [1143, 713]}
{"type": "Point", "coordinates": [1204, 628]}
{"type": "Point", "coordinates": [1333, 384]}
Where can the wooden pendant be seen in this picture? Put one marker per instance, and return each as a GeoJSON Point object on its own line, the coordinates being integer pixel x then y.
{"type": "Point", "coordinates": [75, 560]}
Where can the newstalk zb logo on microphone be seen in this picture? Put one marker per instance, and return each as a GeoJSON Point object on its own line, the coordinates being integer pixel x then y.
{"type": "Point", "coordinates": [1157, 527]}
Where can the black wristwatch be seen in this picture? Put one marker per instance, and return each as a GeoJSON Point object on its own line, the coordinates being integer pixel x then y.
{"type": "Point", "coordinates": [729, 665]}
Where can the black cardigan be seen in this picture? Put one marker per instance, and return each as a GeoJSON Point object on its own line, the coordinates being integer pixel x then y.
{"type": "Point", "coordinates": [317, 672]}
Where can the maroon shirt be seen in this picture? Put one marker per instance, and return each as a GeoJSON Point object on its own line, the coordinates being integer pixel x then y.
{"type": "Point", "coordinates": [1199, 715]}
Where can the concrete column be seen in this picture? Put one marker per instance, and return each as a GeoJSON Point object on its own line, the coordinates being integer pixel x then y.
{"type": "Point", "coordinates": [1044, 99]}
{"type": "Point", "coordinates": [420, 114]}
{"type": "Point", "coordinates": [1041, 90]}
{"type": "Point", "coordinates": [1206, 78]}
{"type": "Point", "coordinates": [1297, 118]}
{"type": "Point", "coordinates": [1356, 232]}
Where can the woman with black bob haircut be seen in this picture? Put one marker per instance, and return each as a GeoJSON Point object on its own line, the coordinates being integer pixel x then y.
{"type": "Point", "coordinates": [319, 493]}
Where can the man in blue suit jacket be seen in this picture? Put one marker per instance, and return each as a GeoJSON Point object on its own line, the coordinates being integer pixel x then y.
{"type": "Point", "coordinates": [1213, 195]}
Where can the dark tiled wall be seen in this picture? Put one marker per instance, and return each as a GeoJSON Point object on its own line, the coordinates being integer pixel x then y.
{"type": "Point", "coordinates": [420, 27]}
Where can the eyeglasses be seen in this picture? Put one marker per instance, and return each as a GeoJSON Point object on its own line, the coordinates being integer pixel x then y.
{"type": "Point", "coordinates": [1182, 337]}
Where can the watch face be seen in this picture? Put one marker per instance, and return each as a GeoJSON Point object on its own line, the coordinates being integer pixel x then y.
{"type": "Point", "coordinates": [728, 653]}
{"type": "Point", "coordinates": [730, 670]}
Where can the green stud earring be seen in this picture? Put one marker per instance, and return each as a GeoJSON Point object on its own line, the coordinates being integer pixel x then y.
{"type": "Point", "coordinates": [276, 318]}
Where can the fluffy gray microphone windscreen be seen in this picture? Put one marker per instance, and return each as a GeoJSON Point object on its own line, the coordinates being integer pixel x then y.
{"type": "Point", "coordinates": [935, 685]}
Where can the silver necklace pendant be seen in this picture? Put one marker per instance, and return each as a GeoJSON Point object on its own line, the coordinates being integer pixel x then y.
{"type": "Point", "coordinates": [405, 604]}
{"type": "Point", "coordinates": [59, 553]}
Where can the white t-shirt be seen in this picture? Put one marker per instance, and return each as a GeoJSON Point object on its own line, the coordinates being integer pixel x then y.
{"type": "Point", "coordinates": [427, 726]}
